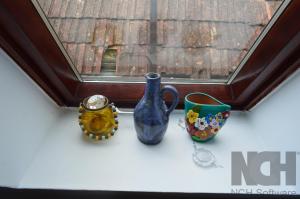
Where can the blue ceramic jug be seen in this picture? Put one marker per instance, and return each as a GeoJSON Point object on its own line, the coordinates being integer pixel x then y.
{"type": "Point", "coordinates": [151, 115]}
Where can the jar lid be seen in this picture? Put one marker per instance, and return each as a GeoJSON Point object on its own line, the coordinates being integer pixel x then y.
{"type": "Point", "coordinates": [95, 102]}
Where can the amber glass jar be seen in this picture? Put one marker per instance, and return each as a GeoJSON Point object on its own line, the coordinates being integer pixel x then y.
{"type": "Point", "coordinates": [98, 118]}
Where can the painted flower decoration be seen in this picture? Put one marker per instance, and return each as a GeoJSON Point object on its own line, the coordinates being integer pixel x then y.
{"type": "Point", "coordinates": [219, 117]}
{"type": "Point", "coordinates": [204, 135]}
{"type": "Point", "coordinates": [192, 116]}
{"type": "Point", "coordinates": [205, 127]}
{"type": "Point", "coordinates": [209, 118]}
{"type": "Point", "coordinates": [214, 123]}
{"type": "Point", "coordinates": [197, 133]}
{"type": "Point", "coordinates": [214, 130]}
{"type": "Point", "coordinates": [190, 128]}
{"type": "Point", "coordinates": [201, 124]}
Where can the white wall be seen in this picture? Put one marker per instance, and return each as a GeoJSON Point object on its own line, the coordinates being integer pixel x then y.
{"type": "Point", "coordinates": [275, 122]}
{"type": "Point", "coordinates": [26, 115]}
{"type": "Point", "coordinates": [276, 119]}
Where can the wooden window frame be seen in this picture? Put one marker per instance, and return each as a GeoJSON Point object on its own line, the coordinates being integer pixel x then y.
{"type": "Point", "coordinates": [30, 44]}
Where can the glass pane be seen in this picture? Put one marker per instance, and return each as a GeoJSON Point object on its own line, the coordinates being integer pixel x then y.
{"type": "Point", "coordinates": [183, 40]}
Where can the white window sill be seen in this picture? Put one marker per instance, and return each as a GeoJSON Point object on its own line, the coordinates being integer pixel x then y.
{"type": "Point", "coordinates": [67, 161]}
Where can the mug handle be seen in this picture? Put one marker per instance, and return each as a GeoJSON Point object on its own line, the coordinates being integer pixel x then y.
{"type": "Point", "coordinates": [174, 92]}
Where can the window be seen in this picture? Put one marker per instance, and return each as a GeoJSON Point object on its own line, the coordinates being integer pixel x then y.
{"type": "Point", "coordinates": [108, 64]}
{"type": "Point", "coordinates": [79, 48]}
{"type": "Point", "coordinates": [192, 40]}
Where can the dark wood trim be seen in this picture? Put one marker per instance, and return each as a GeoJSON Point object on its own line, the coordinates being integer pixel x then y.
{"type": "Point", "coordinates": [275, 58]}
{"type": "Point", "coordinates": [25, 37]}
{"type": "Point", "coordinates": [29, 42]}
{"type": "Point", "coordinates": [131, 93]}
{"type": "Point", "coordinates": [74, 194]}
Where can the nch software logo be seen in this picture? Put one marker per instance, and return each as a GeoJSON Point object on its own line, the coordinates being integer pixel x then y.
{"type": "Point", "coordinates": [253, 174]}
{"type": "Point", "coordinates": [262, 170]}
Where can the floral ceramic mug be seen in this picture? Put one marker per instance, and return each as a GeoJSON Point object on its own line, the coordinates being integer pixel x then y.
{"type": "Point", "coordinates": [204, 116]}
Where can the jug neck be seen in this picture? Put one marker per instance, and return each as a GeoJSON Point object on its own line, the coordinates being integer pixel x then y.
{"type": "Point", "coordinates": [152, 89]}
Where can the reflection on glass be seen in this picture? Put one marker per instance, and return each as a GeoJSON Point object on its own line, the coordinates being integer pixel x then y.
{"type": "Point", "coordinates": [190, 39]}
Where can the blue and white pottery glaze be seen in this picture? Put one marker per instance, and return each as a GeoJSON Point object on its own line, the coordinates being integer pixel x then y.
{"type": "Point", "coordinates": [151, 115]}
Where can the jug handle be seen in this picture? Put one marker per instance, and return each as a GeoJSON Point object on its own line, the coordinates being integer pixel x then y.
{"type": "Point", "coordinates": [174, 92]}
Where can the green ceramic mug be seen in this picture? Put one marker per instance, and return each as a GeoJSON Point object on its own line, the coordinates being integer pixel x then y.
{"type": "Point", "coordinates": [204, 116]}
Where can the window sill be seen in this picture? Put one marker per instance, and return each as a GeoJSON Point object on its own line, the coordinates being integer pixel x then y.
{"type": "Point", "coordinates": [67, 161]}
